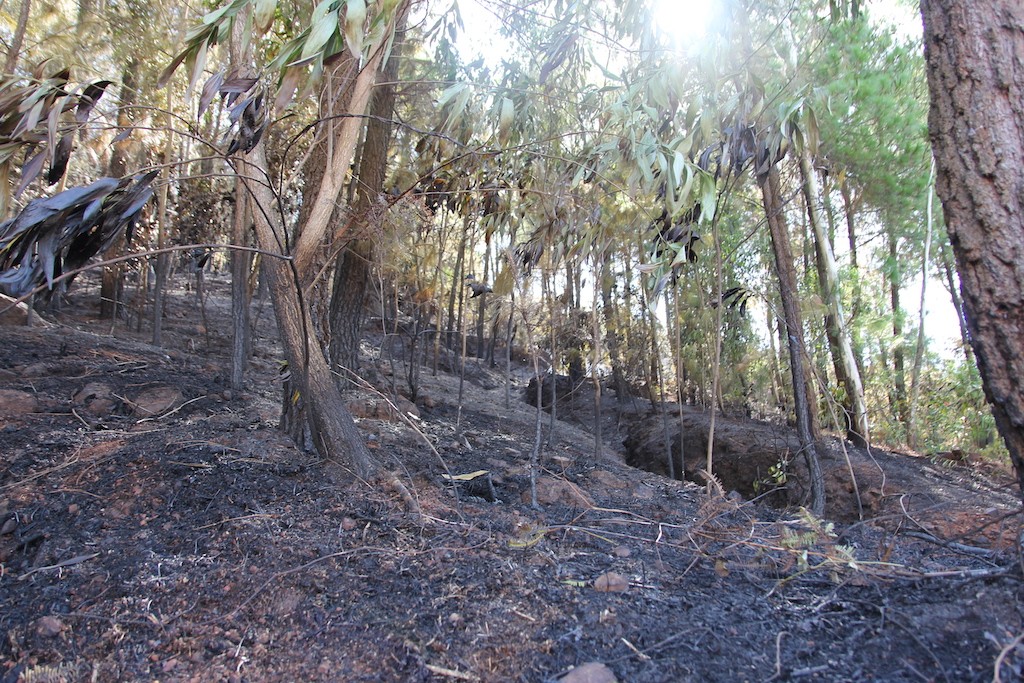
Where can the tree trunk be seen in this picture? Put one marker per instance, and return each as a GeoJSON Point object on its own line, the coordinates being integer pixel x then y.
{"type": "Point", "coordinates": [915, 372]}
{"type": "Point", "coordinates": [899, 387]}
{"type": "Point", "coordinates": [973, 52]}
{"type": "Point", "coordinates": [112, 279]}
{"type": "Point", "coordinates": [783, 252]}
{"type": "Point", "coordinates": [856, 297]}
{"type": "Point", "coordinates": [14, 50]}
{"type": "Point", "coordinates": [843, 359]}
{"type": "Point", "coordinates": [612, 336]}
{"type": "Point", "coordinates": [332, 429]}
{"type": "Point", "coordinates": [352, 269]}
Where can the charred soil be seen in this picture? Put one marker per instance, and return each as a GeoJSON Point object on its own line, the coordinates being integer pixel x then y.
{"type": "Point", "coordinates": [155, 525]}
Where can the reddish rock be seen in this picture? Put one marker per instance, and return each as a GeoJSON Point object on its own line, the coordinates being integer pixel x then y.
{"type": "Point", "coordinates": [14, 403]}
{"type": "Point", "coordinates": [592, 672]}
{"type": "Point", "coordinates": [155, 401]}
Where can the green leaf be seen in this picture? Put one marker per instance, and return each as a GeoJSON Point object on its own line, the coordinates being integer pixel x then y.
{"type": "Point", "coordinates": [322, 26]}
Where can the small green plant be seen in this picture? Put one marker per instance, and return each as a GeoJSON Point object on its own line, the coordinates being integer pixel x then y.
{"type": "Point", "coordinates": [776, 477]}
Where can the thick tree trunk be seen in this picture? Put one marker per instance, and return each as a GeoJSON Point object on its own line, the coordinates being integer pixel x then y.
{"type": "Point", "coordinates": [772, 198]}
{"type": "Point", "coordinates": [974, 52]}
{"type": "Point", "coordinates": [840, 345]}
{"type": "Point", "coordinates": [332, 429]}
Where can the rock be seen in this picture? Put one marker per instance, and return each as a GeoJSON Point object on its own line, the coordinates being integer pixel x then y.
{"type": "Point", "coordinates": [591, 672]}
{"type": "Point", "coordinates": [611, 582]}
{"type": "Point", "coordinates": [13, 315]}
{"type": "Point", "coordinates": [96, 398]}
{"type": "Point", "coordinates": [551, 490]}
{"type": "Point", "coordinates": [155, 401]}
{"type": "Point", "coordinates": [378, 408]}
{"type": "Point", "coordinates": [14, 403]}
{"type": "Point", "coordinates": [48, 627]}
{"type": "Point", "coordinates": [609, 479]}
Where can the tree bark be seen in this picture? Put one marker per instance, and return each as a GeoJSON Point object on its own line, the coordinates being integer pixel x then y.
{"type": "Point", "coordinates": [332, 429]}
{"type": "Point", "coordinates": [974, 52]}
{"type": "Point", "coordinates": [112, 279]}
{"type": "Point", "coordinates": [14, 50]}
{"type": "Point", "coordinates": [840, 345]}
{"type": "Point", "coordinates": [771, 195]}
{"type": "Point", "coordinates": [352, 268]}
{"type": "Point", "coordinates": [898, 397]}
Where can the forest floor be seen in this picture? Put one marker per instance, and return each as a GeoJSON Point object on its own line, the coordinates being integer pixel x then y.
{"type": "Point", "coordinates": [155, 526]}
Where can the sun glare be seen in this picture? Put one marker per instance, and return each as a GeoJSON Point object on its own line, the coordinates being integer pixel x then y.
{"type": "Point", "coordinates": [683, 22]}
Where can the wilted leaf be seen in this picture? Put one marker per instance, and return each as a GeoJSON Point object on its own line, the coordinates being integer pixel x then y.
{"type": "Point", "coordinates": [264, 14]}
{"type": "Point", "coordinates": [61, 156]}
{"type": "Point", "coordinates": [30, 171]}
{"type": "Point", "coordinates": [465, 477]}
{"type": "Point", "coordinates": [505, 120]}
{"type": "Point", "coordinates": [355, 17]}
{"type": "Point", "coordinates": [504, 282]}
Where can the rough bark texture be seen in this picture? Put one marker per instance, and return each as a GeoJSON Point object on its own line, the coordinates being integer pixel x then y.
{"type": "Point", "coordinates": [975, 63]}
{"type": "Point", "coordinates": [771, 196]}
{"type": "Point", "coordinates": [352, 270]}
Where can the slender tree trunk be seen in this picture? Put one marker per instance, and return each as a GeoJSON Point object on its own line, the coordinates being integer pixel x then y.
{"type": "Point", "coordinates": [843, 359]}
{"type": "Point", "coordinates": [915, 371]}
{"type": "Point", "coordinates": [112, 279]}
{"type": "Point", "coordinates": [958, 304]}
{"type": "Point", "coordinates": [241, 261]}
{"type": "Point", "coordinates": [856, 297]}
{"type": "Point", "coordinates": [899, 373]}
{"type": "Point", "coordinates": [241, 264]}
{"type": "Point", "coordinates": [976, 122]}
{"type": "Point", "coordinates": [783, 252]}
{"type": "Point", "coordinates": [14, 50]}
{"type": "Point", "coordinates": [612, 337]}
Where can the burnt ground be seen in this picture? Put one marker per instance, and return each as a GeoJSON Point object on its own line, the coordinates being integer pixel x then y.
{"type": "Point", "coordinates": [155, 526]}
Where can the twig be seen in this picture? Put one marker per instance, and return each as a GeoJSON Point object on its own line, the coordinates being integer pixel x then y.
{"type": "Point", "coordinates": [996, 677]}
{"type": "Point", "coordinates": [953, 545]}
{"type": "Point", "coordinates": [170, 412]}
{"type": "Point", "coordinates": [235, 519]}
{"type": "Point", "coordinates": [643, 656]}
{"type": "Point", "coordinates": [66, 563]}
{"type": "Point", "coordinates": [450, 673]}
{"type": "Point", "coordinates": [778, 657]}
